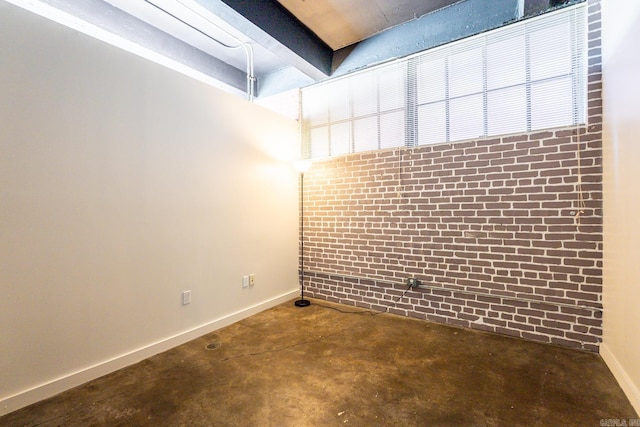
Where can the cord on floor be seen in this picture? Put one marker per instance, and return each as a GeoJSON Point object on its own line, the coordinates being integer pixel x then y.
{"type": "Point", "coordinates": [371, 312]}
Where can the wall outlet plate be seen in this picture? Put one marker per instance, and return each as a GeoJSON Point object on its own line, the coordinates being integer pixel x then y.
{"type": "Point", "coordinates": [252, 279]}
{"type": "Point", "coordinates": [186, 297]}
{"type": "Point", "coordinates": [245, 281]}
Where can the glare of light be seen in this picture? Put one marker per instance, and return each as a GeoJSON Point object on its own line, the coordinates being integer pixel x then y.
{"type": "Point", "coordinates": [302, 165]}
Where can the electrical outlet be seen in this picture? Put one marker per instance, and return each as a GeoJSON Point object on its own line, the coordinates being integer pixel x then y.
{"type": "Point", "coordinates": [186, 297]}
{"type": "Point", "coordinates": [252, 279]}
{"type": "Point", "coordinates": [245, 281]}
{"type": "Point", "coordinates": [412, 282]}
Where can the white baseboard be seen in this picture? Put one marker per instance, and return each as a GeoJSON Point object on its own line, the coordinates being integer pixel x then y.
{"type": "Point", "coordinates": [51, 388]}
{"type": "Point", "coordinates": [626, 383]}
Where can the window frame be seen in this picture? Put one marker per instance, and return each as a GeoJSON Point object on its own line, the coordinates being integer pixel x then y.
{"type": "Point", "coordinates": [413, 131]}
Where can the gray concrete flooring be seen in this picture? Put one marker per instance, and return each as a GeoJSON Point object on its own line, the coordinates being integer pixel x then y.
{"type": "Point", "coordinates": [318, 366]}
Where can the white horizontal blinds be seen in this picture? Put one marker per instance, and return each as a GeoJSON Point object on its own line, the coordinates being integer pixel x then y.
{"type": "Point", "coordinates": [339, 115]}
{"type": "Point", "coordinates": [315, 114]}
{"type": "Point", "coordinates": [522, 77]}
{"type": "Point", "coordinates": [431, 97]}
{"type": "Point", "coordinates": [507, 105]}
{"type": "Point", "coordinates": [556, 49]}
{"type": "Point", "coordinates": [392, 103]}
{"type": "Point", "coordinates": [364, 98]}
{"type": "Point", "coordinates": [526, 76]}
{"type": "Point", "coordinates": [551, 82]}
{"type": "Point", "coordinates": [362, 112]}
{"type": "Point", "coordinates": [466, 91]}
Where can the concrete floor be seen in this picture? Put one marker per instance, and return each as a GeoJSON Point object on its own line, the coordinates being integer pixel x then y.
{"type": "Point", "coordinates": [317, 366]}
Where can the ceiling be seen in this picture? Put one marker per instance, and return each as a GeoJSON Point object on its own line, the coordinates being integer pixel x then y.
{"type": "Point", "coordinates": [290, 43]}
{"type": "Point", "coordinates": [343, 23]}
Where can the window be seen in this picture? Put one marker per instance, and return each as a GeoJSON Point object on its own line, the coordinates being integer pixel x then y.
{"type": "Point", "coordinates": [526, 76]}
{"type": "Point", "coordinates": [360, 113]}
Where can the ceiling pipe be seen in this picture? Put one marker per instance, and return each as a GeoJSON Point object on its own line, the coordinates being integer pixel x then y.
{"type": "Point", "coordinates": [246, 46]}
{"type": "Point", "coordinates": [521, 8]}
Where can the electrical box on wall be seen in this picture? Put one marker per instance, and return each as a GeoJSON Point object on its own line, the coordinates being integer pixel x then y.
{"type": "Point", "coordinates": [186, 297]}
{"type": "Point", "coordinates": [249, 280]}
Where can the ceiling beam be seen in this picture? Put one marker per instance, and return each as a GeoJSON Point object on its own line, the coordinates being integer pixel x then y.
{"type": "Point", "coordinates": [282, 80]}
{"type": "Point", "coordinates": [462, 19]}
{"type": "Point", "coordinates": [272, 26]}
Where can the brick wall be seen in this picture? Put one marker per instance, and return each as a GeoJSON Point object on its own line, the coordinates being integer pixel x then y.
{"type": "Point", "coordinates": [488, 226]}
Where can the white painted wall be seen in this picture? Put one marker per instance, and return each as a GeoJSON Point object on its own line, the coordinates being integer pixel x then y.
{"type": "Point", "coordinates": [621, 296]}
{"type": "Point", "coordinates": [122, 184]}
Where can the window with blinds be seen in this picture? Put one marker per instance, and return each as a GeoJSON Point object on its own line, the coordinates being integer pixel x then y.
{"type": "Point", "coordinates": [526, 76]}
